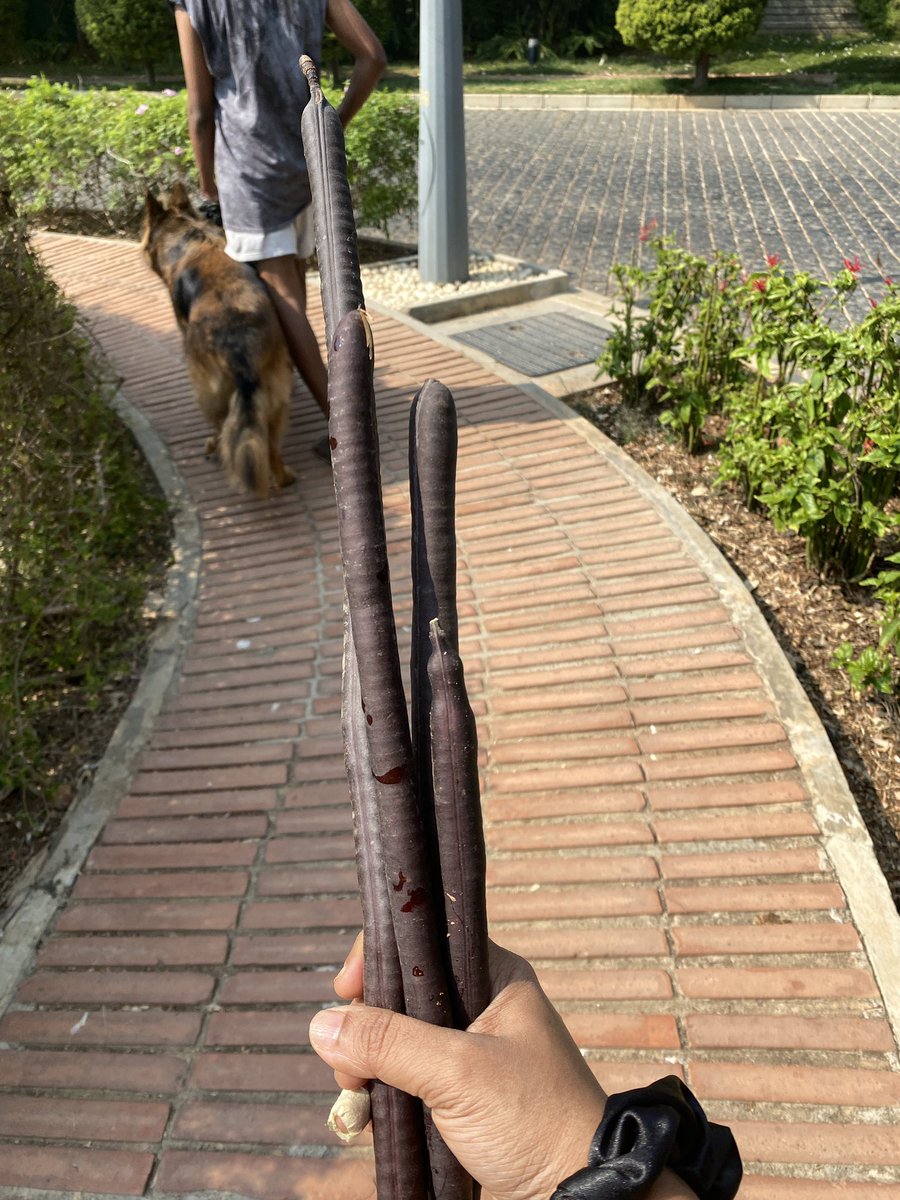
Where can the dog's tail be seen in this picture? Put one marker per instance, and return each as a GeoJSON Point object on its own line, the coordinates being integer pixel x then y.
{"type": "Point", "coordinates": [244, 443]}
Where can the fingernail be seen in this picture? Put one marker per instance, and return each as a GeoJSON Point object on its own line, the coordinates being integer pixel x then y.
{"type": "Point", "coordinates": [325, 1027]}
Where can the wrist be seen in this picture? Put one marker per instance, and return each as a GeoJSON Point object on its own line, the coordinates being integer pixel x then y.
{"type": "Point", "coordinates": [670, 1187]}
{"type": "Point", "coordinates": [655, 1143]}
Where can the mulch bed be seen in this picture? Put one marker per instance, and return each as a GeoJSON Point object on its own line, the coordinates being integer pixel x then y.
{"type": "Point", "coordinates": [810, 615]}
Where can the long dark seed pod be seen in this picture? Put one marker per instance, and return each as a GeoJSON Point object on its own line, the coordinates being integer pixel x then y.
{"type": "Point", "coordinates": [445, 739]}
{"type": "Point", "coordinates": [367, 580]}
{"type": "Point", "coordinates": [460, 831]}
{"type": "Point", "coordinates": [432, 476]}
{"type": "Point", "coordinates": [354, 443]}
{"type": "Point", "coordinates": [401, 1168]}
{"type": "Point", "coordinates": [432, 480]}
{"type": "Point", "coordinates": [412, 886]}
{"type": "Point", "coordinates": [432, 457]}
{"type": "Point", "coordinates": [336, 244]}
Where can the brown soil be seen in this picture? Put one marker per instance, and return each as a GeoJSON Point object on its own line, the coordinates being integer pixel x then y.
{"type": "Point", "coordinates": [809, 615]}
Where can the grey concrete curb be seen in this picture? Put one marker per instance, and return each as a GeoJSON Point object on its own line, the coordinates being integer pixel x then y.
{"type": "Point", "coordinates": [543, 282]}
{"type": "Point", "coordinates": [40, 894]}
{"type": "Point", "coordinates": [582, 102]}
{"type": "Point", "coordinates": [845, 837]}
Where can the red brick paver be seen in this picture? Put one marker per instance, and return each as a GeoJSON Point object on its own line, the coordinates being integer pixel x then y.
{"type": "Point", "coordinates": [654, 848]}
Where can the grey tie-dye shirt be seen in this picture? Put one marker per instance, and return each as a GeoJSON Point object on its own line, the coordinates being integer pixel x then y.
{"type": "Point", "coordinates": [252, 48]}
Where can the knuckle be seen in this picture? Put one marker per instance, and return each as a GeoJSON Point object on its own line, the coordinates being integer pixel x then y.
{"type": "Point", "coordinates": [374, 1037]}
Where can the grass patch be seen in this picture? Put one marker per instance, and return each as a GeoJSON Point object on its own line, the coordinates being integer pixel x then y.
{"type": "Point", "coordinates": [788, 65]}
{"type": "Point", "coordinates": [792, 66]}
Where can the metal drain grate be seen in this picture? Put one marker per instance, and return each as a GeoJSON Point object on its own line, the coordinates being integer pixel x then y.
{"type": "Point", "coordinates": [539, 345]}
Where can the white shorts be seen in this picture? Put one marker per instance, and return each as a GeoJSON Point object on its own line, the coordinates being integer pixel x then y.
{"type": "Point", "coordinates": [298, 237]}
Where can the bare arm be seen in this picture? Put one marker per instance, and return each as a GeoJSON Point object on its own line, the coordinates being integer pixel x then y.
{"type": "Point", "coordinates": [369, 59]}
{"type": "Point", "coordinates": [201, 102]}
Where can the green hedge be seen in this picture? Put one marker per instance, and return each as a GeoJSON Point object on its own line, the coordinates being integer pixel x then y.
{"type": "Point", "coordinates": [881, 16]}
{"type": "Point", "coordinates": [129, 31]}
{"type": "Point", "coordinates": [84, 159]}
{"type": "Point", "coordinates": [79, 523]}
{"type": "Point", "coordinates": [12, 28]}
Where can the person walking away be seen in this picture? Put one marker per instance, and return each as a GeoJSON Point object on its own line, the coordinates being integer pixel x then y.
{"type": "Point", "coordinates": [245, 97]}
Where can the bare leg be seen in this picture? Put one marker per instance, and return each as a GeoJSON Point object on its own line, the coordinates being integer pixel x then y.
{"type": "Point", "coordinates": [285, 278]}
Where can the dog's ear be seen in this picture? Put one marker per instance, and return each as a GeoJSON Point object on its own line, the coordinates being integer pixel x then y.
{"type": "Point", "coordinates": [152, 206]}
{"type": "Point", "coordinates": [179, 199]}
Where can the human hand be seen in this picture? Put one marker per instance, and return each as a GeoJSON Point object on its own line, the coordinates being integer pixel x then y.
{"type": "Point", "coordinates": [511, 1096]}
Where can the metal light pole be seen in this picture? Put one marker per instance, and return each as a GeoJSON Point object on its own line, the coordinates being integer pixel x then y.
{"type": "Point", "coordinates": [443, 220]}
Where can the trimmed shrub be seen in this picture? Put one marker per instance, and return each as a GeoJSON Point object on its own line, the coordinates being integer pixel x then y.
{"type": "Point", "coordinates": [382, 146]}
{"type": "Point", "coordinates": [128, 31]}
{"type": "Point", "coordinates": [687, 29]}
{"type": "Point", "coordinates": [880, 16]}
{"type": "Point", "coordinates": [12, 28]}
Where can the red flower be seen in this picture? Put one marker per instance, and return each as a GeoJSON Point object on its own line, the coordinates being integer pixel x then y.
{"type": "Point", "coordinates": [759, 284]}
{"type": "Point", "coordinates": [853, 265]}
{"type": "Point", "coordinates": [874, 303]}
{"type": "Point", "coordinates": [888, 281]}
{"type": "Point", "coordinates": [647, 231]}
{"type": "Point", "coordinates": [868, 446]}
{"type": "Point", "coordinates": [773, 259]}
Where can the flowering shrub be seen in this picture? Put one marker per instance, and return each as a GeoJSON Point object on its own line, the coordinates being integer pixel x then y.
{"type": "Point", "coordinates": [91, 154]}
{"type": "Point", "coordinates": [810, 400]}
{"type": "Point", "coordinates": [680, 353]}
{"type": "Point", "coordinates": [815, 438]}
{"type": "Point", "coordinates": [878, 666]}
{"type": "Point", "coordinates": [86, 158]}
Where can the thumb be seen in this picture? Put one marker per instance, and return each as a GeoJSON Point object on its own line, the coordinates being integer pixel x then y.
{"type": "Point", "coordinates": [372, 1043]}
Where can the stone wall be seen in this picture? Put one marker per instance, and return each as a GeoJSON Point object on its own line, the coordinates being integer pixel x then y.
{"type": "Point", "coordinates": [818, 17]}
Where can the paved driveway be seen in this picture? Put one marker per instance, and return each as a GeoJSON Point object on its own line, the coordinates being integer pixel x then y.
{"type": "Point", "coordinates": [572, 189]}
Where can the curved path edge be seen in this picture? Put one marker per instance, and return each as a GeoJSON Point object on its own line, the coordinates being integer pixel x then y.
{"type": "Point", "coordinates": [845, 836]}
{"type": "Point", "coordinates": [40, 893]}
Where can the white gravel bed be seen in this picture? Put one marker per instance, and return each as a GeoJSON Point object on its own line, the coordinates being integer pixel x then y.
{"type": "Point", "coordinates": [397, 284]}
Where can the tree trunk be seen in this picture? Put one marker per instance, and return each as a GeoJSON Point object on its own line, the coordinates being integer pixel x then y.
{"type": "Point", "coordinates": [701, 70]}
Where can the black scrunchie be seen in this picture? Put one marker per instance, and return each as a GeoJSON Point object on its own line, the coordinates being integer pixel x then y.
{"type": "Point", "coordinates": [211, 211]}
{"type": "Point", "coordinates": [646, 1130]}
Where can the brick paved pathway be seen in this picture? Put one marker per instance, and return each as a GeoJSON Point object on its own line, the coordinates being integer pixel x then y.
{"type": "Point", "coordinates": [654, 844]}
{"type": "Point", "coordinates": [572, 189]}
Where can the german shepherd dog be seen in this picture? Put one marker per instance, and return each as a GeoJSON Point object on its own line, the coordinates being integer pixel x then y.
{"type": "Point", "coordinates": [235, 351]}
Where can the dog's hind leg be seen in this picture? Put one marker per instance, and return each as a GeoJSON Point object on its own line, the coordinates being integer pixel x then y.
{"type": "Point", "coordinates": [280, 381]}
{"type": "Point", "coordinates": [281, 473]}
{"type": "Point", "coordinates": [212, 393]}
{"type": "Point", "coordinates": [277, 427]}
